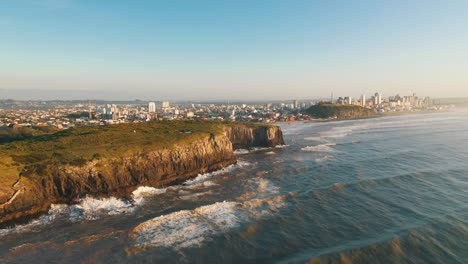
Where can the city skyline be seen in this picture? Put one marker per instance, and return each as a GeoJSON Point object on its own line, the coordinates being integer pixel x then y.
{"type": "Point", "coordinates": [208, 50]}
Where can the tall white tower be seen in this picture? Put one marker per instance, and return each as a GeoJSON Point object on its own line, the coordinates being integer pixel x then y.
{"type": "Point", "coordinates": [151, 107]}
{"type": "Point", "coordinates": [377, 99]}
{"type": "Point", "coordinates": [363, 100]}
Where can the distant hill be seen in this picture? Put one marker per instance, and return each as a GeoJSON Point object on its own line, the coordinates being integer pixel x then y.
{"type": "Point", "coordinates": [327, 110]}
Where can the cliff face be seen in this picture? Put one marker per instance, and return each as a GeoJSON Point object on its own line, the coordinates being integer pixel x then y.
{"type": "Point", "coordinates": [118, 176]}
{"type": "Point", "coordinates": [33, 193]}
{"type": "Point", "coordinates": [339, 111]}
{"type": "Point", "coordinates": [248, 137]}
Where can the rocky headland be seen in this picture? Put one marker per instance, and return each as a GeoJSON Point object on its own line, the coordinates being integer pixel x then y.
{"type": "Point", "coordinates": [61, 167]}
{"type": "Point", "coordinates": [341, 112]}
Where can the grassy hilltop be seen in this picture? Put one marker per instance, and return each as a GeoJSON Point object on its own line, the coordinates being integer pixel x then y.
{"type": "Point", "coordinates": [327, 110]}
{"type": "Point", "coordinates": [31, 148]}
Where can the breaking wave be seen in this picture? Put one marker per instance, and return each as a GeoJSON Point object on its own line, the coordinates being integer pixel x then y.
{"type": "Point", "coordinates": [142, 192]}
{"type": "Point", "coordinates": [54, 211]}
{"type": "Point", "coordinates": [320, 148]}
{"type": "Point", "coordinates": [93, 208]}
{"type": "Point", "coordinates": [313, 138]}
{"type": "Point", "coordinates": [87, 209]}
{"type": "Point", "coordinates": [322, 159]}
{"type": "Point", "coordinates": [190, 228]}
{"type": "Point", "coordinates": [241, 151]}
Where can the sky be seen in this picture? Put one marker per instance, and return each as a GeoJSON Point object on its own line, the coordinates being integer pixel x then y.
{"type": "Point", "coordinates": [222, 50]}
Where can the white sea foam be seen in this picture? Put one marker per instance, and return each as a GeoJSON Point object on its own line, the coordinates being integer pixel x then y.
{"type": "Point", "coordinates": [264, 186]}
{"type": "Point", "coordinates": [343, 131]}
{"type": "Point", "coordinates": [320, 148]}
{"type": "Point", "coordinates": [88, 209]}
{"type": "Point", "coordinates": [241, 151]}
{"type": "Point", "coordinates": [186, 228]}
{"type": "Point", "coordinates": [203, 177]}
{"type": "Point", "coordinates": [322, 159]}
{"type": "Point", "coordinates": [243, 163]}
{"type": "Point", "coordinates": [143, 192]}
{"type": "Point", "coordinates": [44, 220]}
{"type": "Point", "coordinates": [313, 138]}
{"type": "Point", "coordinates": [191, 196]}
{"type": "Point", "coordinates": [91, 208]}
{"type": "Point", "coordinates": [270, 153]}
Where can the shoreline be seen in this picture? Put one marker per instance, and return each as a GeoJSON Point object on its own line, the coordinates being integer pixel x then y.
{"type": "Point", "coordinates": [119, 176]}
{"type": "Point", "coordinates": [378, 115]}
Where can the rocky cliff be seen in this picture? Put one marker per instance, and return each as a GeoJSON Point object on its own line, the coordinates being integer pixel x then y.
{"type": "Point", "coordinates": [260, 136]}
{"type": "Point", "coordinates": [327, 111]}
{"type": "Point", "coordinates": [33, 193]}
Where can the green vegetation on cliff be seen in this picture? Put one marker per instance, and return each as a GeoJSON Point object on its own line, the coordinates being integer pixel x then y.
{"type": "Point", "coordinates": [32, 148]}
{"type": "Point", "coordinates": [86, 143]}
{"type": "Point", "coordinates": [327, 110]}
{"type": "Point", "coordinates": [39, 166]}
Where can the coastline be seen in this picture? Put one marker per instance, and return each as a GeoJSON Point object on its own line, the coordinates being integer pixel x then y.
{"type": "Point", "coordinates": [378, 115]}
{"type": "Point", "coordinates": [119, 176]}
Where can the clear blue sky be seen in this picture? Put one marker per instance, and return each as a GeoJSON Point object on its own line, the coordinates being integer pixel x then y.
{"type": "Point", "coordinates": [239, 49]}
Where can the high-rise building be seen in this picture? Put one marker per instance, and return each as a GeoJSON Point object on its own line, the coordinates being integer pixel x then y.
{"type": "Point", "coordinates": [363, 100]}
{"type": "Point", "coordinates": [296, 104]}
{"type": "Point", "coordinates": [165, 104]}
{"type": "Point", "coordinates": [377, 99]}
{"type": "Point", "coordinates": [151, 107]}
{"type": "Point", "coordinates": [348, 99]}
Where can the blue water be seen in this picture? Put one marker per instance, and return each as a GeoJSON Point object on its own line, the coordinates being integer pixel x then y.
{"type": "Point", "coordinates": [384, 190]}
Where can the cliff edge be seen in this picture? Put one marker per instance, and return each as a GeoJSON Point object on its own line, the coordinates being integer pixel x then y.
{"type": "Point", "coordinates": [327, 110]}
{"type": "Point", "coordinates": [115, 160]}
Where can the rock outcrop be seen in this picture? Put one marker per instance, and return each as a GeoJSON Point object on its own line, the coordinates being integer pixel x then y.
{"type": "Point", "coordinates": [248, 137]}
{"type": "Point", "coordinates": [337, 111]}
{"type": "Point", "coordinates": [34, 193]}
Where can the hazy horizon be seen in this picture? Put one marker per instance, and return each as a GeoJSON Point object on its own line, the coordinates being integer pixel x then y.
{"type": "Point", "coordinates": [243, 50]}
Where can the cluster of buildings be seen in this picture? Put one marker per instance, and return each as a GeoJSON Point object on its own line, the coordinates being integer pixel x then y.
{"type": "Point", "coordinates": [395, 103]}
{"type": "Point", "coordinates": [67, 114]}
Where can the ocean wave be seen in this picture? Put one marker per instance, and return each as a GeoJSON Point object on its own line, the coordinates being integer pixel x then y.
{"type": "Point", "coordinates": [241, 151]}
{"type": "Point", "coordinates": [143, 192]}
{"type": "Point", "coordinates": [266, 186]}
{"type": "Point", "coordinates": [270, 153]}
{"type": "Point", "coordinates": [322, 159]}
{"type": "Point", "coordinates": [203, 177]}
{"type": "Point", "coordinates": [53, 213]}
{"type": "Point", "coordinates": [191, 196]}
{"type": "Point", "coordinates": [91, 208]}
{"type": "Point", "coordinates": [313, 138]}
{"type": "Point", "coordinates": [255, 149]}
{"type": "Point", "coordinates": [343, 131]}
{"type": "Point", "coordinates": [87, 209]}
{"type": "Point", "coordinates": [320, 148]}
{"type": "Point", "coordinates": [191, 228]}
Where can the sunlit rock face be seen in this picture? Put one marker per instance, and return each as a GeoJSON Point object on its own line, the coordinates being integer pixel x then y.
{"type": "Point", "coordinates": [119, 176]}
{"type": "Point", "coordinates": [262, 136]}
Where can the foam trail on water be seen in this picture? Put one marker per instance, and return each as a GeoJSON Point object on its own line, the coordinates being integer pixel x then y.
{"type": "Point", "coordinates": [54, 212]}
{"type": "Point", "coordinates": [91, 208]}
{"type": "Point", "coordinates": [241, 151]}
{"type": "Point", "coordinates": [204, 177]}
{"type": "Point", "coordinates": [313, 138]}
{"type": "Point", "coordinates": [325, 158]}
{"type": "Point", "coordinates": [142, 192]}
{"type": "Point", "coordinates": [190, 228]}
{"type": "Point", "coordinates": [320, 148]}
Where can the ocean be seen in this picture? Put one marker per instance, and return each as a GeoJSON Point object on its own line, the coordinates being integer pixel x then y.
{"type": "Point", "coordinates": [383, 190]}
